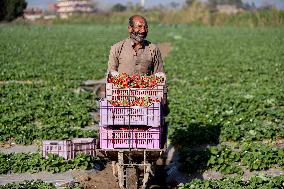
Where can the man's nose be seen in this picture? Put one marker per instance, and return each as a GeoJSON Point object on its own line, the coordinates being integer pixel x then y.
{"type": "Point", "coordinates": [143, 29]}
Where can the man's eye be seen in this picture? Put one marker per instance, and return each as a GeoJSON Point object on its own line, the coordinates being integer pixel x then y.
{"type": "Point", "coordinates": [140, 27]}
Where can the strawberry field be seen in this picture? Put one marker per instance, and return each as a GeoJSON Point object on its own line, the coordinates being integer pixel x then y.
{"type": "Point", "coordinates": [226, 91]}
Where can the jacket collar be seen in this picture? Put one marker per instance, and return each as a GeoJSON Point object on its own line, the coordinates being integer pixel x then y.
{"type": "Point", "coordinates": [132, 42]}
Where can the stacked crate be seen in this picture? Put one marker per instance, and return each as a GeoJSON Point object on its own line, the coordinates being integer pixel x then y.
{"type": "Point", "coordinates": [137, 127]}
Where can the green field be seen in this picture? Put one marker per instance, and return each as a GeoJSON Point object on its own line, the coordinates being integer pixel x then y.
{"type": "Point", "coordinates": [226, 87]}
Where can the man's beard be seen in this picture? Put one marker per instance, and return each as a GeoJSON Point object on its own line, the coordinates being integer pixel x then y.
{"type": "Point", "coordinates": [139, 37]}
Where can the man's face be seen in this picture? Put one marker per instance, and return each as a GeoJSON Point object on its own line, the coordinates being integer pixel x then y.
{"type": "Point", "coordinates": [139, 30]}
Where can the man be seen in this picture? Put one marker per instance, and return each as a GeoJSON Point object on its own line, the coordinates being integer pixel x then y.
{"type": "Point", "coordinates": [135, 55]}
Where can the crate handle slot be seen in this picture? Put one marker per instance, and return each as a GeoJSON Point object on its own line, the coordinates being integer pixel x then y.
{"type": "Point", "coordinates": [53, 143]}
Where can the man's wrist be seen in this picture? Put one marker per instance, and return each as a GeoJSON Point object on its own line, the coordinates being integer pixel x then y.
{"type": "Point", "coordinates": [160, 74]}
{"type": "Point", "coordinates": [114, 73]}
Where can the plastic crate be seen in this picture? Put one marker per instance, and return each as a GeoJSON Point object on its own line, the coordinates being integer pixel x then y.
{"type": "Point", "coordinates": [134, 139]}
{"type": "Point", "coordinates": [68, 149]}
{"type": "Point", "coordinates": [131, 115]}
{"type": "Point", "coordinates": [84, 145]}
{"type": "Point", "coordinates": [115, 93]}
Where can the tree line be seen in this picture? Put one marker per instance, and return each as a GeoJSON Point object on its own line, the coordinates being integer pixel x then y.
{"type": "Point", "coordinates": [11, 9]}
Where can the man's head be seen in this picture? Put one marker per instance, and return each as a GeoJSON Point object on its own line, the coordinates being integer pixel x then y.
{"type": "Point", "coordinates": [138, 28]}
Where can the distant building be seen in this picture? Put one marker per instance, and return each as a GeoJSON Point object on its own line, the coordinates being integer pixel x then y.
{"type": "Point", "coordinates": [52, 8]}
{"type": "Point", "coordinates": [228, 9]}
{"type": "Point", "coordinates": [66, 8]}
{"type": "Point", "coordinates": [33, 13]}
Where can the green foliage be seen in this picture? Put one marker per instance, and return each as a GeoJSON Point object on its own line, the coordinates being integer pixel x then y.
{"type": "Point", "coordinates": [224, 160]}
{"type": "Point", "coordinates": [261, 157]}
{"type": "Point", "coordinates": [33, 184]}
{"type": "Point", "coordinates": [11, 9]}
{"type": "Point", "coordinates": [228, 160]}
{"type": "Point", "coordinates": [237, 3]}
{"type": "Point", "coordinates": [254, 182]}
{"type": "Point", "coordinates": [40, 72]}
{"type": "Point", "coordinates": [34, 162]}
{"type": "Point", "coordinates": [194, 161]}
{"type": "Point", "coordinates": [225, 86]}
{"type": "Point", "coordinates": [32, 112]}
{"type": "Point", "coordinates": [191, 135]}
{"type": "Point", "coordinates": [119, 8]}
{"type": "Point", "coordinates": [190, 2]}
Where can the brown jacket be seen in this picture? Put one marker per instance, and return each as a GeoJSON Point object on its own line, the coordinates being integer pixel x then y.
{"type": "Point", "coordinates": [124, 59]}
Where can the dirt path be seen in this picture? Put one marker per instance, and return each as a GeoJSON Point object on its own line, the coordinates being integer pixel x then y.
{"type": "Point", "coordinates": [19, 149]}
{"type": "Point", "coordinates": [58, 179]}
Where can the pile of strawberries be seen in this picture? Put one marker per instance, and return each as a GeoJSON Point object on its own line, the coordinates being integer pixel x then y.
{"type": "Point", "coordinates": [141, 101]}
{"type": "Point", "coordinates": [141, 128]}
{"type": "Point", "coordinates": [135, 81]}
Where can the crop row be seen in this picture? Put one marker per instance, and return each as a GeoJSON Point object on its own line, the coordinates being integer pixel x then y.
{"type": "Point", "coordinates": [228, 81]}
{"type": "Point", "coordinates": [34, 184]}
{"type": "Point", "coordinates": [225, 84]}
{"type": "Point", "coordinates": [41, 69]}
{"type": "Point", "coordinates": [254, 182]}
{"type": "Point", "coordinates": [30, 112]}
{"type": "Point", "coordinates": [34, 162]}
{"type": "Point", "coordinates": [59, 55]}
{"type": "Point", "coordinates": [229, 160]}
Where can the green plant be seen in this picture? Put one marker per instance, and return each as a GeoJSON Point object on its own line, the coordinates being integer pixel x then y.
{"type": "Point", "coordinates": [34, 162]}
{"type": "Point", "coordinates": [33, 184]}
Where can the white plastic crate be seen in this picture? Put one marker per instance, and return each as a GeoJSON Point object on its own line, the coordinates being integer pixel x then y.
{"type": "Point", "coordinates": [115, 93]}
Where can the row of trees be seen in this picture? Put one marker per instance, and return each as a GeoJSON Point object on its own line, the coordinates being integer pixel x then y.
{"type": "Point", "coordinates": [237, 3]}
{"type": "Point", "coordinates": [213, 4]}
{"type": "Point", "coordinates": [11, 9]}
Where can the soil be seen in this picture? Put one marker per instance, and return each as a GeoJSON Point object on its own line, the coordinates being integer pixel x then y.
{"type": "Point", "coordinates": [10, 148]}
{"type": "Point", "coordinates": [103, 179]}
{"type": "Point", "coordinates": [58, 179]}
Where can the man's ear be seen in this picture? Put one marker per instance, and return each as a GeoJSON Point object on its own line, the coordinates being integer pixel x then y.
{"type": "Point", "coordinates": [129, 29]}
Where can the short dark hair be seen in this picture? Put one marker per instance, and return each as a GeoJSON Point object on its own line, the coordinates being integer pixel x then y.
{"type": "Point", "coordinates": [131, 22]}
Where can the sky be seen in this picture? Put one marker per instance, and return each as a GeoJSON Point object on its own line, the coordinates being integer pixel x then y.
{"type": "Point", "coordinates": [149, 3]}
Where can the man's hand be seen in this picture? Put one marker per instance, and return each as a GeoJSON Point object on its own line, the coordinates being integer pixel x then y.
{"type": "Point", "coordinates": [160, 74]}
{"type": "Point", "coordinates": [114, 73]}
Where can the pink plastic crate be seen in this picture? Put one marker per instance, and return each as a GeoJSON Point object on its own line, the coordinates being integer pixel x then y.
{"type": "Point", "coordinates": [131, 115]}
{"type": "Point", "coordinates": [115, 93]}
{"type": "Point", "coordinates": [69, 148]}
{"type": "Point", "coordinates": [122, 139]}
{"type": "Point", "coordinates": [84, 145]}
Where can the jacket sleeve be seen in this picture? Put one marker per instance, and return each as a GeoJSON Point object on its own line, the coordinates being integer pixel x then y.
{"type": "Point", "coordinates": [158, 61]}
{"type": "Point", "coordinates": [112, 60]}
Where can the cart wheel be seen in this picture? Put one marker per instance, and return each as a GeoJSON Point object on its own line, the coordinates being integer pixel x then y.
{"type": "Point", "coordinates": [131, 178]}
